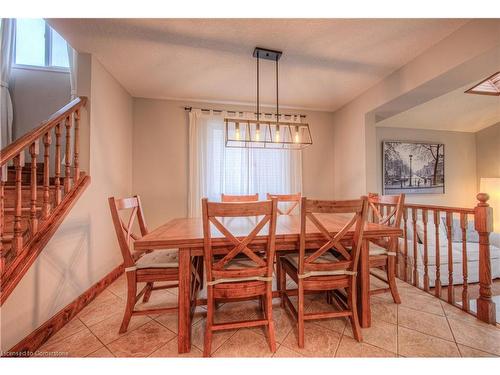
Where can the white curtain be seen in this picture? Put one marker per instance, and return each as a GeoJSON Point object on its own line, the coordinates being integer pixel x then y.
{"type": "Point", "coordinates": [215, 169]}
{"type": "Point", "coordinates": [73, 68]}
{"type": "Point", "coordinates": [8, 32]}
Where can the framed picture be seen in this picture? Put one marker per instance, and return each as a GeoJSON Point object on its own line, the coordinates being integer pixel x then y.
{"type": "Point", "coordinates": [413, 167]}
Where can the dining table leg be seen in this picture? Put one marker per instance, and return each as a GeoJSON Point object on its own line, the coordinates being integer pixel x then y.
{"type": "Point", "coordinates": [364, 286]}
{"type": "Point", "coordinates": [184, 301]}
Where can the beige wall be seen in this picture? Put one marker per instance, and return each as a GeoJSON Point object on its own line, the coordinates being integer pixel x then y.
{"type": "Point", "coordinates": [488, 152]}
{"type": "Point", "coordinates": [84, 249]}
{"type": "Point", "coordinates": [464, 56]}
{"type": "Point", "coordinates": [160, 163]}
{"type": "Point", "coordinates": [36, 94]}
{"type": "Point", "coordinates": [460, 164]}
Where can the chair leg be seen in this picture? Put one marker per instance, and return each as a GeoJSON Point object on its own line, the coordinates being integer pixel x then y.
{"type": "Point", "coordinates": [300, 315]}
{"type": "Point", "coordinates": [329, 297]}
{"type": "Point", "coordinates": [207, 346]}
{"type": "Point", "coordinates": [269, 315]}
{"type": "Point", "coordinates": [147, 293]}
{"type": "Point", "coordinates": [129, 308]}
{"type": "Point", "coordinates": [352, 304]}
{"type": "Point", "coordinates": [391, 278]}
{"type": "Point", "coordinates": [278, 273]}
{"type": "Point", "coordinates": [200, 272]}
{"type": "Point", "coordinates": [282, 283]}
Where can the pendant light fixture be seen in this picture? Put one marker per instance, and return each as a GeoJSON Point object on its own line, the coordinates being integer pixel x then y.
{"type": "Point", "coordinates": [264, 132]}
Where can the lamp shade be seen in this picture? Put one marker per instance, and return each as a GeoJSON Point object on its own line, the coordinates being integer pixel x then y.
{"type": "Point", "coordinates": [491, 186]}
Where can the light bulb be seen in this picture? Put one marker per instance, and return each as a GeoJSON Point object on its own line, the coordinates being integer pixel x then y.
{"type": "Point", "coordinates": [238, 135]}
{"type": "Point", "coordinates": [277, 134]}
{"type": "Point", "coordinates": [257, 134]}
{"type": "Point", "coordinates": [296, 134]}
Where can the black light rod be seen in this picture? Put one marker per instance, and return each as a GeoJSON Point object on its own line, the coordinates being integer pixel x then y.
{"type": "Point", "coordinates": [255, 113]}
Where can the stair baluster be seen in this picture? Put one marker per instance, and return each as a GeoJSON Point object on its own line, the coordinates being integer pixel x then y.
{"type": "Point", "coordinates": [47, 140]}
{"type": "Point", "coordinates": [437, 290]}
{"type": "Point", "coordinates": [57, 167]}
{"type": "Point", "coordinates": [67, 171]}
{"type": "Point", "coordinates": [449, 228]}
{"type": "Point", "coordinates": [17, 243]}
{"type": "Point", "coordinates": [33, 150]}
{"type": "Point", "coordinates": [76, 148]}
{"type": "Point", "coordinates": [465, 271]}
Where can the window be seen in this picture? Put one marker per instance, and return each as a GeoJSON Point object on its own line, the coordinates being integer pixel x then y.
{"type": "Point", "coordinates": [37, 44]}
{"type": "Point", "coordinates": [216, 169]}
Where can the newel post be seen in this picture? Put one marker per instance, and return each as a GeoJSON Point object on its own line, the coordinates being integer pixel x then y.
{"type": "Point", "coordinates": [483, 221]}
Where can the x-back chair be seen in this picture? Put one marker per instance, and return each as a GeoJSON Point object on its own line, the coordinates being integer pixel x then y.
{"type": "Point", "coordinates": [246, 270]}
{"type": "Point", "coordinates": [141, 267]}
{"type": "Point", "coordinates": [333, 265]}
{"type": "Point", "coordinates": [292, 199]}
{"type": "Point", "coordinates": [239, 198]}
{"type": "Point", "coordinates": [386, 210]}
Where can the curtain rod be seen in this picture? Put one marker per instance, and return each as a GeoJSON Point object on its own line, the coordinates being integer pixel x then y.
{"type": "Point", "coordinates": [221, 110]}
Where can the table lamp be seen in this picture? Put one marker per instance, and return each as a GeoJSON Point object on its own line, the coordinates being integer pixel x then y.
{"type": "Point", "coordinates": [491, 186]}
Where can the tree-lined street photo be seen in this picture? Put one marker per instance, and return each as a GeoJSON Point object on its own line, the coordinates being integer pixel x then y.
{"type": "Point", "coordinates": [413, 168]}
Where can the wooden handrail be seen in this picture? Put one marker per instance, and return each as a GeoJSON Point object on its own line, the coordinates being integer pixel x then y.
{"type": "Point", "coordinates": [432, 207]}
{"type": "Point", "coordinates": [10, 151]}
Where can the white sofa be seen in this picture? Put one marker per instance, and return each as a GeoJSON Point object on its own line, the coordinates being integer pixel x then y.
{"type": "Point", "coordinates": [457, 257]}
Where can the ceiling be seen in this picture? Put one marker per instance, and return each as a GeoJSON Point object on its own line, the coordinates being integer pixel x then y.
{"type": "Point", "coordinates": [326, 63]}
{"type": "Point", "coordinates": [454, 111]}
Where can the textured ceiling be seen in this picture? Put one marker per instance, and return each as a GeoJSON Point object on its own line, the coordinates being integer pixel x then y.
{"type": "Point", "coordinates": [455, 111]}
{"type": "Point", "coordinates": [326, 63]}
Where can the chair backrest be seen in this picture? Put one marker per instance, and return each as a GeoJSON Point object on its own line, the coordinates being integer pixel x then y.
{"type": "Point", "coordinates": [124, 232]}
{"type": "Point", "coordinates": [346, 259]}
{"type": "Point", "coordinates": [239, 198]}
{"type": "Point", "coordinates": [260, 262]}
{"type": "Point", "coordinates": [292, 199]}
{"type": "Point", "coordinates": [386, 209]}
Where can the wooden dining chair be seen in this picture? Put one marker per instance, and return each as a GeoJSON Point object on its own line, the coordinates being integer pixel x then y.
{"type": "Point", "coordinates": [386, 210]}
{"type": "Point", "coordinates": [293, 201]}
{"type": "Point", "coordinates": [141, 267]}
{"type": "Point", "coordinates": [239, 198]}
{"type": "Point", "coordinates": [246, 270]}
{"type": "Point", "coordinates": [331, 266]}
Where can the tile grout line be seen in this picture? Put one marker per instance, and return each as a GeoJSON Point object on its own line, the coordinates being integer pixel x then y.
{"type": "Point", "coordinates": [425, 333]}
{"type": "Point", "coordinates": [104, 345]}
{"type": "Point", "coordinates": [65, 337]}
{"type": "Point", "coordinates": [154, 351]}
{"type": "Point", "coordinates": [453, 334]}
{"type": "Point", "coordinates": [479, 350]}
{"type": "Point", "coordinates": [225, 341]}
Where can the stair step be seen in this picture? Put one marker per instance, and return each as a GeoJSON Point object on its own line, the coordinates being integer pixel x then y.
{"type": "Point", "coordinates": [10, 196]}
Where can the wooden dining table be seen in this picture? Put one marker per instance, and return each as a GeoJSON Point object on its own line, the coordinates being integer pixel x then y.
{"type": "Point", "coordinates": [186, 234]}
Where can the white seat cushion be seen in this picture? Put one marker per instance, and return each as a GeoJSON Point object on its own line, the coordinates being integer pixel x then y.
{"type": "Point", "coordinates": [159, 259]}
{"type": "Point", "coordinates": [377, 250]}
{"type": "Point", "coordinates": [238, 264]}
{"type": "Point", "coordinates": [324, 258]}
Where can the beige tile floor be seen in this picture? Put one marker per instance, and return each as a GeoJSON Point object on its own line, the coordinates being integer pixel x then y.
{"type": "Point", "coordinates": [422, 326]}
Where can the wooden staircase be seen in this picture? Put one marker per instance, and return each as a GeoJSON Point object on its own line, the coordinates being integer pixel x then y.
{"type": "Point", "coordinates": [9, 215]}
{"type": "Point", "coordinates": [33, 199]}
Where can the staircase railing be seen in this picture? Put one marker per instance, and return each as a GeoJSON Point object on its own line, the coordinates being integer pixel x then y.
{"type": "Point", "coordinates": [439, 254]}
{"type": "Point", "coordinates": [32, 204]}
